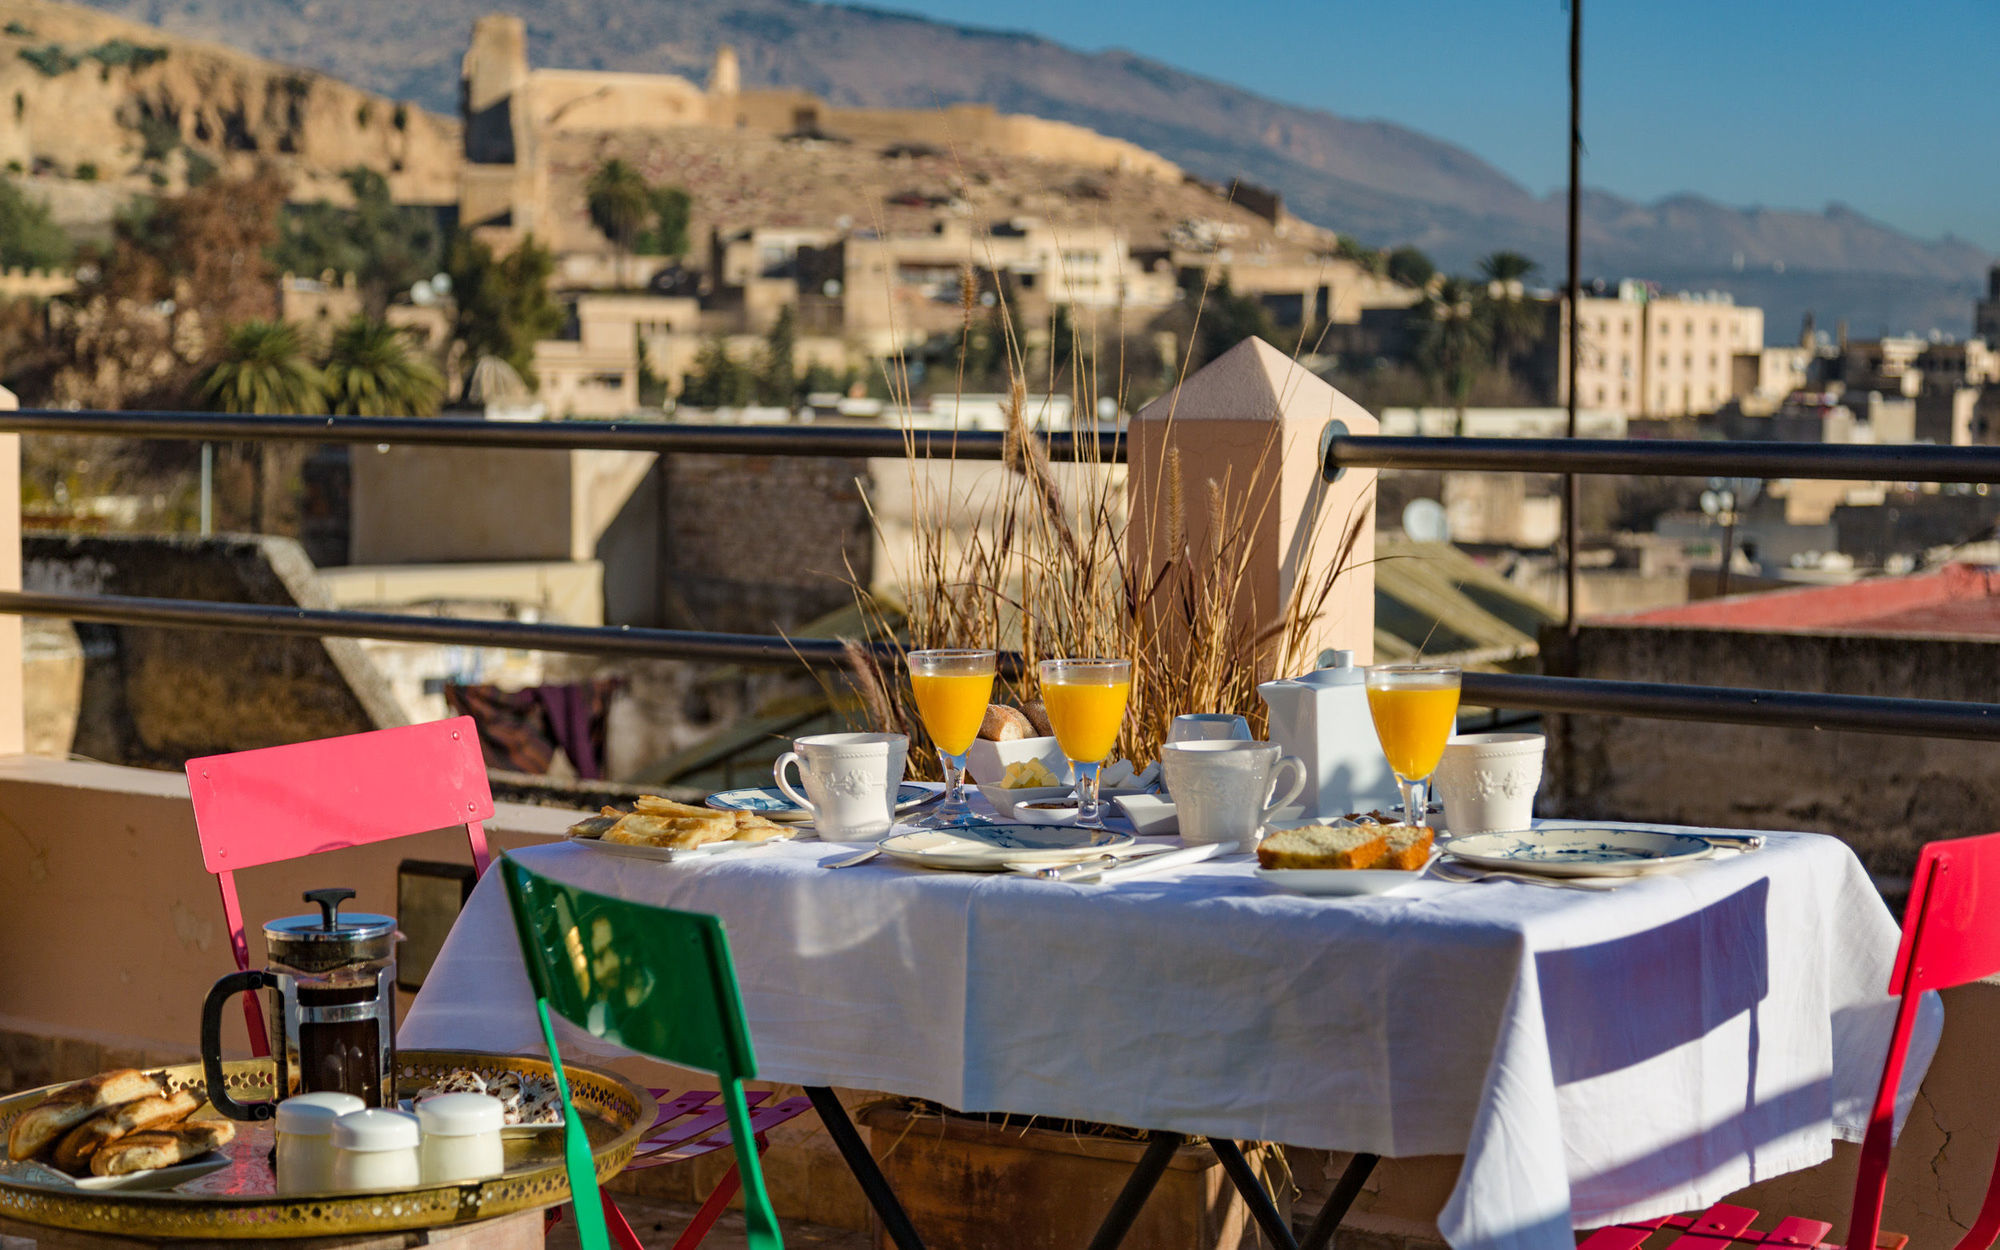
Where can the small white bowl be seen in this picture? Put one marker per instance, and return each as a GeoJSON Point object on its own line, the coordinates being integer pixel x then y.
{"type": "Point", "coordinates": [987, 761]}
{"type": "Point", "coordinates": [1007, 802]}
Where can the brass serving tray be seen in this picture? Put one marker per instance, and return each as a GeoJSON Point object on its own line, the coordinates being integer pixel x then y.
{"type": "Point", "coordinates": [240, 1201]}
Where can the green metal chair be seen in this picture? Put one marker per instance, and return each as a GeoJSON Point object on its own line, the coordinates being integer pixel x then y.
{"type": "Point", "coordinates": [656, 981]}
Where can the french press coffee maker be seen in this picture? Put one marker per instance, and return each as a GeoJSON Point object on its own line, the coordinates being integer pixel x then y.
{"type": "Point", "coordinates": [331, 1009]}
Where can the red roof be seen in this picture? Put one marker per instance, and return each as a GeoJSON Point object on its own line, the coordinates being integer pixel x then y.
{"type": "Point", "coordinates": [1961, 599]}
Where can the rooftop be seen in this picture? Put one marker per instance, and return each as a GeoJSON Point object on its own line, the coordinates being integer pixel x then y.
{"type": "Point", "coordinates": [1960, 599]}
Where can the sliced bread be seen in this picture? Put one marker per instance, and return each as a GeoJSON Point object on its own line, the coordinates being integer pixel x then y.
{"type": "Point", "coordinates": [1323, 846]}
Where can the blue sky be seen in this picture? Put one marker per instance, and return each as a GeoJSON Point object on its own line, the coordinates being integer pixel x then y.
{"type": "Point", "coordinates": [1889, 108]}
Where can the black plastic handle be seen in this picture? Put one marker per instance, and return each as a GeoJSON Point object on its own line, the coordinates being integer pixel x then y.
{"type": "Point", "coordinates": [329, 901]}
{"type": "Point", "coordinates": [219, 995]}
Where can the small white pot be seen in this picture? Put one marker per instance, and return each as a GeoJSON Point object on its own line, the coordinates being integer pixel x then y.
{"type": "Point", "coordinates": [1488, 782]}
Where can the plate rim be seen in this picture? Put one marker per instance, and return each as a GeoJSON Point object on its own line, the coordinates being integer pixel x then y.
{"type": "Point", "coordinates": [1699, 850]}
{"type": "Point", "coordinates": [799, 815]}
{"type": "Point", "coordinates": [212, 1160]}
{"type": "Point", "coordinates": [998, 857]}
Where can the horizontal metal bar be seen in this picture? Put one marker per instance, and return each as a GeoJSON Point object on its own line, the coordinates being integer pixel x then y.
{"type": "Point", "coordinates": [1780, 709]}
{"type": "Point", "coordinates": [1911, 462]}
{"type": "Point", "coordinates": [672, 644]}
{"type": "Point", "coordinates": [1930, 718]}
{"type": "Point", "coordinates": [810, 439]}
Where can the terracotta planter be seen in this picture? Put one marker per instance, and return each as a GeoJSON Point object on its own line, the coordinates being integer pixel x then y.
{"type": "Point", "coordinates": [973, 1185]}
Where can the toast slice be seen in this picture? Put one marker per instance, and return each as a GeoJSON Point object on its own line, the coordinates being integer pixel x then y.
{"type": "Point", "coordinates": [1409, 846]}
{"type": "Point", "coordinates": [160, 1148]}
{"type": "Point", "coordinates": [1323, 846]}
{"type": "Point", "coordinates": [75, 1151]}
{"type": "Point", "coordinates": [39, 1127]}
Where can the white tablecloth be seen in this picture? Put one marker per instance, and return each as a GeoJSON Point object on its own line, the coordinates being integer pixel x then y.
{"type": "Point", "coordinates": [1594, 1056]}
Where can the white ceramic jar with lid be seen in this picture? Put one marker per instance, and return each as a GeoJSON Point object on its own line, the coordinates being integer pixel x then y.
{"type": "Point", "coordinates": [461, 1137]}
{"type": "Point", "coordinates": [305, 1140]}
{"type": "Point", "coordinates": [376, 1149]}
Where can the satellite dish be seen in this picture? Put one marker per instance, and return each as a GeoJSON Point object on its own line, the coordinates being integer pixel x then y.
{"type": "Point", "coordinates": [1424, 521]}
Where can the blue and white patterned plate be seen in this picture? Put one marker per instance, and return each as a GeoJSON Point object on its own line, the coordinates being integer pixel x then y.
{"type": "Point", "coordinates": [1580, 851]}
{"type": "Point", "coordinates": [771, 803]}
{"type": "Point", "coordinates": [991, 848]}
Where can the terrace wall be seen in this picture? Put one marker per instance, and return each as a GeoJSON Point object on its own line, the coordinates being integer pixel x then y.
{"type": "Point", "coordinates": [1886, 796]}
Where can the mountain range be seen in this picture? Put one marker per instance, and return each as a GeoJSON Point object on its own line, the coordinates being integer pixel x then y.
{"type": "Point", "coordinates": [1383, 183]}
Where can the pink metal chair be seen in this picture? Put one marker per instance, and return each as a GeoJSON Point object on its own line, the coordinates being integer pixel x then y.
{"type": "Point", "coordinates": [277, 803]}
{"type": "Point", "coordinates": [1949, 938]}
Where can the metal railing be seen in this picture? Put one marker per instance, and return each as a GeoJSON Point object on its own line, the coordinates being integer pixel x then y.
{"type": "Point", "coordinates": [1780, 709]}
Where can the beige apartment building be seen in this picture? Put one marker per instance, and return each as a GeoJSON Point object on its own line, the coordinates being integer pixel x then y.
{"type": "Point", "coordinates": [1658, 356]}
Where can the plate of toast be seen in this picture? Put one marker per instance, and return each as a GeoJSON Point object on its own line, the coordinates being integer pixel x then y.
{"type": "Point", "coordinates": [117, 1130]}
{"type": "Point", "coordinates": [1349, 857]}
{"type": "Point", "coordinates": [662, 829]}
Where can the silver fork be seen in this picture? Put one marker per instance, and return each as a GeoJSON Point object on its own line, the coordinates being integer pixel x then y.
{"type": "Point", "coordinates": [1468, 876]}
{"type": "Point", "coordinates": [852, 860]}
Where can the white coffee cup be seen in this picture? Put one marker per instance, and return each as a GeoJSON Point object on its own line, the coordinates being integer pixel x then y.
{"type": "Point", "coordinates": [1488, 782]}
{"type": "Point", "coordinates": [1208, 727]}
{"type": "Point", "coordinates": [1225, 790]}
{"type": "Point", "coordinates": [850, 781]}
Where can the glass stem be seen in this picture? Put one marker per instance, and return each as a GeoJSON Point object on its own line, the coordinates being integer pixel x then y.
{"type": "Point", "coordinates": [1415, 809]}
{"type": "Point", "coordinates": [954, 803]}
{"type": "Point", "coordinates": [1087, 812]}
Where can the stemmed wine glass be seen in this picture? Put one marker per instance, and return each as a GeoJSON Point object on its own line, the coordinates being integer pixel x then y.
{"type": "Point", "coordinates": [1415, 708]}
{"type": "Point", "coordinates": [1085, 700]}
{"type": "Point", "coordinates": [952, 687]}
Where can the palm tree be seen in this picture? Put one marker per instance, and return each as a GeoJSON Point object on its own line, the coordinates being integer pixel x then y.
{"type": "Point", "coordinates": [619, 202]}
{"type": "Point", "coordinates": [264, 368]}
{"type": "Point", "coordinates": [1453, 340]}
{"type": "Point", "coordinates": [372, 370]}
{"type": "Point", "coordinates": [1513, 324]}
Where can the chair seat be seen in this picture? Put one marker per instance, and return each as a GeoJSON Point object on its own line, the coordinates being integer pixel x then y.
{"type": "Point", "coordinates": [1722, 1226]}
{"type": "Point", "coordinates": [693, 1123]}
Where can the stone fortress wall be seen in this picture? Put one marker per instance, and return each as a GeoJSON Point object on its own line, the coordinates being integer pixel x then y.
{"type": "Point", "coordinates": [514, 114]}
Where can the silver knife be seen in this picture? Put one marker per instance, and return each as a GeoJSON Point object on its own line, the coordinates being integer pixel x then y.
{"type": "Point", "coordinates": [1091, 867]}
{"type": "Point", "coordinates": [1156, 863]}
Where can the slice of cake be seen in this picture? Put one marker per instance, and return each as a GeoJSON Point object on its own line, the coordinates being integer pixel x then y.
{"type": "Point", "coordinates": [1323, 846]}
{"type": "Point", "coordinates": [1409, 846]}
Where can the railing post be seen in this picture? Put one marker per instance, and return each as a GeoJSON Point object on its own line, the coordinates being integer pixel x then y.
{"type": "Point", "coordinates": [1249, 428]}
{"type": "Point", "coordinates": [13, 676]}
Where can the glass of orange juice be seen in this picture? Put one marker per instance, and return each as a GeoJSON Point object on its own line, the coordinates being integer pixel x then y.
{"type": "Point", "coordinates": [1085, 700]}
{"type": "Point", "coordinates": [1415, 707]}
{"type": "Point", "coordinates": [952, 688]}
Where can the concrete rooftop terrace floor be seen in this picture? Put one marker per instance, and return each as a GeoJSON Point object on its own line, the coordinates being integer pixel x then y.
{"type": "Point", "coordinates": [1957, 599]}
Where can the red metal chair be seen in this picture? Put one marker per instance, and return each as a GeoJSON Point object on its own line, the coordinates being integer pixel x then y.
{"type": "Point", "coordinates": [278, 803]}
{"type": "Point", "coordinates": [1948, 940]}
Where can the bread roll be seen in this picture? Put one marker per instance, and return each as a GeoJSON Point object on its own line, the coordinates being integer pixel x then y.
{"type": "Point", "coordinates": [38, 1127]}
{"type": "Point", "coordinates": [1323, 846]}
{"type": "Point", "coordinates": [1005, 724]}
{"type": "Point", "coordinates": [159, 1148]}
{"type": "Point", "coordinates": [1037, 713]}
{"type": "Point", "coordinates": [74, 1152]}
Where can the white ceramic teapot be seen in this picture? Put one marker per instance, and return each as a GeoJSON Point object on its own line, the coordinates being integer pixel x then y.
{"type": "Point", "coordinates": [1322, 718]}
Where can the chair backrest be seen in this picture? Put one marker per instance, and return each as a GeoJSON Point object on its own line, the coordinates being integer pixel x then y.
{"type": "Point", "coordinates": [1951, 935]}
{"type": "Point", "coordinates": [651, 979]}
{"type": "Point", "coordinates": [278, 803]}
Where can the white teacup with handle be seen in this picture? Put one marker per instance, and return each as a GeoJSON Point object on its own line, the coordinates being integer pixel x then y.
{"type": "Point", "coordinates": [1225, 790]}
{"type": "Point", "coordinates": [850, 780]}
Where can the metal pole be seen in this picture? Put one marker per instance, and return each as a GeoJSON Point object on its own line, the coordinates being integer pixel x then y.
{"type": "Point", "coordinates": [1570, 535]}
{"type": "Point", "coordinates": [1728, 552]}
{"type": "Point", "coordinates": [207, 489]}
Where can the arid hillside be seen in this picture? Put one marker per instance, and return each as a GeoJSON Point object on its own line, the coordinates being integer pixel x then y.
{"type": "Point", "coordinates": [97, 108]}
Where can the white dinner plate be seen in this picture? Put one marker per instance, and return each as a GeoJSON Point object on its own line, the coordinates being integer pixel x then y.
{"type": "Point", "coordinates": [668, 854]}
{"type": "Point", "coordinates": [157, 1178]}
{"type": "Point", "coordinates": [1580, 851]}
{"type": "Point", "coordinates": [991, 848]}
{"type": "Point", "coordinates": [771, 803]}
{"type": "Point", "coordinates": [1339, 882]}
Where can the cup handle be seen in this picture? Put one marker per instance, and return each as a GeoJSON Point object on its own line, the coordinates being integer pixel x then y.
{"type": "Point", "coordinates": [1298, 783]}
{"type": "Point", "coordinates": [788, 759]}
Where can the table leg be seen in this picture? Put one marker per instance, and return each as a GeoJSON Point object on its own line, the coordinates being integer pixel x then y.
{"type": "Point", "coordinates": [1138, 1187]}
{"type": "Point", "coordinates": [862, 1164]}
{"type": "Point", "coordinates": [1344, 1193]}
{"type": "Point", "coordinates": [1262, 1209]}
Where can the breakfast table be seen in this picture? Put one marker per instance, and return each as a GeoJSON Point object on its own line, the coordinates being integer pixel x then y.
{"type": "Point", "coordinates": [1595, 1055]}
